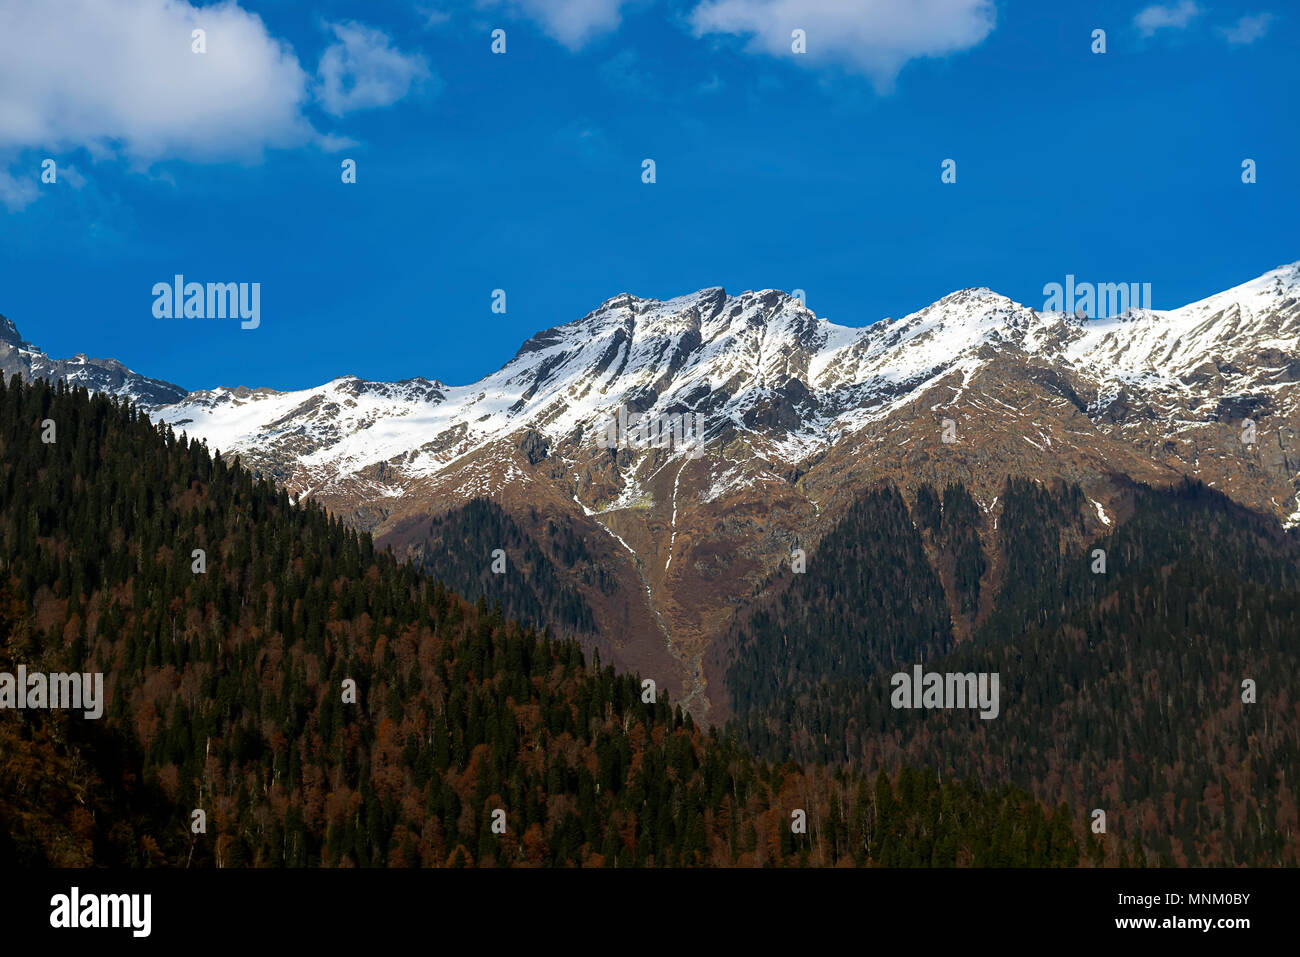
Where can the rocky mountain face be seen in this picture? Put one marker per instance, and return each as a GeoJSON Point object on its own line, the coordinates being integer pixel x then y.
{"type": "Point", "coordinates": [98, 375]}
{"type": "Point", "coordinates": [798, 418]}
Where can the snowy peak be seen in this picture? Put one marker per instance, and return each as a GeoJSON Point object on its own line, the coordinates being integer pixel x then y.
{"type": "Point", "coordinates": [885, 361]}
{"type": "Point", "coordinates": [326, 416]}
{"type": "Point", "coordinates": [9, 332]}
{"type": "Point", "coordinates": [1245, 333]}
{"type": "Point", "coordinates": [758, 362]}
{"type": "Point", "coordinates": [98, 375]}
{"type": "Point", "coordinates": [627, 334]}
{"type": "Point", "coordinates": [1275, 288]}
{"type": "Point", "coordinates": [644, 352]}
{"type": "Point", "coordinates": [667, 351]}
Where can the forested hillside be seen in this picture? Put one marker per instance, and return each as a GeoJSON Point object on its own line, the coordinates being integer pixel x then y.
{"type": "Point", "coordinates": [460, 547]}
{"type": "Point", "coordinates": [226, 685]}
{"type": "Point", "coordinates": [1121, 686]}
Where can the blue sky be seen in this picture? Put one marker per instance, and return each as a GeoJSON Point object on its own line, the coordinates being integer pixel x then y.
{"type": "Point", "coordinates": [523, 171]}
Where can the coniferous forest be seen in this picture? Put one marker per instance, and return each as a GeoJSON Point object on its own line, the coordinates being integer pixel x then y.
{"type": "Point", "coordinates": [457, 541]}
{"type": "Point", "coordinates": [1122, 661]}
{"type": "Point", "coordinates": [226, 679]}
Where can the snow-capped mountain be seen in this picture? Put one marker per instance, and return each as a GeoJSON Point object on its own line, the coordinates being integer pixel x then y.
{"type": "Point", "coordinates": [760, 365]}
{"type": "Point", "coordinates": [799, 415]}
{"type": "Point", "coordinates": [97, 375]}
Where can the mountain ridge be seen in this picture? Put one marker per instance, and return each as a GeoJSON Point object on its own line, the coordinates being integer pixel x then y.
{"type": "Point", "coordinates": [800, 417]}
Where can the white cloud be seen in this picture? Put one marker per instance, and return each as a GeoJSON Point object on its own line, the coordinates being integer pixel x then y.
{"type": "Point", "coordinates": [1248, 29]}
{"type": "Point", "coordinates": [872, 37]}
{"type": "Point", "coordinates": [571, 22]}
{"type": "Point", "coordinates": [17, 192]}
{"type": "Point", "coordinates": [119, 78]}
{"type": "Point", "coordinates": [433, 17]}
{"type": "Point", "coordinates": [72, 176]}
{"type": "Point", "coordinates": [363, 69]}
{"type": "Point", "coordinates": [1156, 16]}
